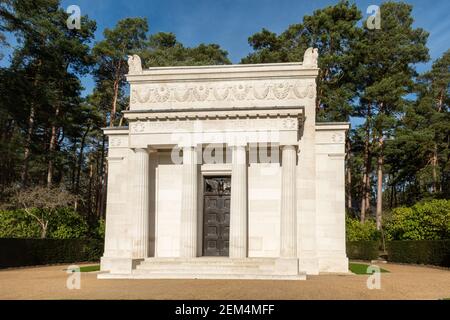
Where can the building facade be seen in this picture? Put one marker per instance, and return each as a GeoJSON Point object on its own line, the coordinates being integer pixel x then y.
{"type": "Point", "coordinates": [223, 172]}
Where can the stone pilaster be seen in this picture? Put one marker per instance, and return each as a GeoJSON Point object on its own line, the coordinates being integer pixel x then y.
{"type": "Point", "coordinates": [188, 245]}
{"type": "Point", "coordinates": [238, 210]}
{"type": "Point", "coordinates": [140, 163]}
{"type": "Point", "coordinates": [288, 248]}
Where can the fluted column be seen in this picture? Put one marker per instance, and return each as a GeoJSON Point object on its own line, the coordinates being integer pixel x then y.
{"type": "Point", "coordinates": [140, 165]}
{"type": "Point", "coordinates": [238, 210]}
{"type": "Point", "coordinates": [188, 245]}
{"type": "Point", "coordinates": [288, 235]}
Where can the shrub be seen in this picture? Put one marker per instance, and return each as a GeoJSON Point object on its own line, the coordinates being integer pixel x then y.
{"type": "Point", "coordinates": [424, 221]}
{"type": "Point", "coordinates": [31, 252]}
{"type": "Point", "coordinates": [18, 224]}
{"type": "Point", "coordinates": [101, 229]}
{"type": "Point", "coordinates": [362, 250]}
{"type": "Point", "coordinates": [433, 252]}
{"type": "Point", "coordinates": [357, 231]}
{"type": "Point", "coordinates": [65, 223]}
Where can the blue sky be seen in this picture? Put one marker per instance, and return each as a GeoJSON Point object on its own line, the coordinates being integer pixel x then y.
{"type": "Point", "coordinates": [230, 22]}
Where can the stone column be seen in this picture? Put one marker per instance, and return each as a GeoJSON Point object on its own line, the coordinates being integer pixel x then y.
{"type": "Point", "coordinates": [238, 210]}
{"type": "Point", "coordinates": [288, 248]}
{"type": "Point", "coordinates": [188, 245]}
{"type": "Point", "coordinates": [140, 165]}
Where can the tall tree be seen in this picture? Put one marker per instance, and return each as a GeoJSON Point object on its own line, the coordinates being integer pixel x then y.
{"type": "Point", "coordinates": [419, 153]}
{"type": "Point", "coordinates": [334, 31]}
{"type": "Point", "coordinates": [51, 57]}
{"type": "Point", "coordinates": [128, 37]}
{"type": "Point", "coordinates": [388, 58]}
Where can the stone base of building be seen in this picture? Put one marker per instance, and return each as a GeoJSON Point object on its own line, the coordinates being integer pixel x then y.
{"type": "Point", "coordinates": [203, 268]}
{"type": "Point", "coordinates": [330, 264]}
{"type": "Point", "coordinates": [118, 265]}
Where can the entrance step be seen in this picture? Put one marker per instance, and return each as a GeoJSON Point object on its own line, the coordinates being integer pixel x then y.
{"type": "Point", "coordinates": [215, 268]}
{"type": "Point", "coordinates": [209, 276]}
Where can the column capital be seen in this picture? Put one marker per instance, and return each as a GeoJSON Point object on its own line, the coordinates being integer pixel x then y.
{"type": "Point", "coordinates": [283, 145]}
{"type": "Point", "coordinates": [140, 150]}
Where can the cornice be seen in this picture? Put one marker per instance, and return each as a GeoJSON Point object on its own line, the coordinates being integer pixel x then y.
{"type": "Point", "coordinates": [223, 73]}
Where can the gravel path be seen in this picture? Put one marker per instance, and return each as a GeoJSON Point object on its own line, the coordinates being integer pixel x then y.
{"type": "Point", "coordinates": [403, 282]}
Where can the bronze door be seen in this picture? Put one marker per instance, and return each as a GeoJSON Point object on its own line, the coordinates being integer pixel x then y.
{"type": "Point", "coordinates": [216, 220]}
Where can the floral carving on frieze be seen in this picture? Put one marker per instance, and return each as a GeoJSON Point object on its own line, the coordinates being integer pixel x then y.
{"type": "Point", "coordinates": [137, 127]}
{"type": "Point", "coordinates": [287, 90]}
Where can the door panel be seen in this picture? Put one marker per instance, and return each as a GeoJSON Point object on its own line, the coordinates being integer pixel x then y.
{"type": "Point", "coordinates": [216, 228]}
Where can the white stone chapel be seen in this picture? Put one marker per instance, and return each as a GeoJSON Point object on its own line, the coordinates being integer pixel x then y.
{"type": "Point", "coordinates": [223, 173]}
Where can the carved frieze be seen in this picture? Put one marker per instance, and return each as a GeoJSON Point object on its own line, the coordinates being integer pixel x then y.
{"type": "Point", "coordinates": [279, 124]}
{"type": "Point", "coordinates": [241, 91]}
{"type": "Point", "coordinates": [330, 137]}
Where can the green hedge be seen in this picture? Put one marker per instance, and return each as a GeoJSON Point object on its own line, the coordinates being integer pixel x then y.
{"type": "Point", "coordinates": [363, 250]}
{"type": "Point", "coordinates": [32, 252]}
{"type": "Point", "coordinates": [432, 252]}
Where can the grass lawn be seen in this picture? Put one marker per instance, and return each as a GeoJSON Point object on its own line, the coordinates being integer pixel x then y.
{"type": "Point", "coordinates": [361, 268]}
{"type": "Point", "coordinates": [356, 268]}
{"type": "Point", "coordinates": [90, 268]}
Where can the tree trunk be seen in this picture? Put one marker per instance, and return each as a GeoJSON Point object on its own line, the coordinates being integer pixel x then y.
{"type": "Point", "coordinates": [80, 159]}
{"type": "Point", "coordinates": [116, 95]}
{"type": "Point", "coordinates": [366, 179]}
{"type": "Point", "coordinates": [434, 159]}
{"type": "Point", "coordinates": [434, 164]}
{"type": "Point", "coordinates": [44, 228]}
{"type": "Point", "coordinates": [349, 175]}
{"type": "Point", "coordinates": [30, 130]}
{"type": "Point", "coordinates": [114, 104]}
{"type": "Point", "coordinates": [101, 180]}
{"type": "Point", "coordinates": [91, 174]}
{"type": "Point", "coordinates": [27, 151]}
{"type": "Point", "coordinates": [74, 163]}
{"type": "Point", "coordinates": [380, 161]}
{"type": "Point", "coordinates": [367, 196]}
{"type": "Point", "coordinates": [51, 150]}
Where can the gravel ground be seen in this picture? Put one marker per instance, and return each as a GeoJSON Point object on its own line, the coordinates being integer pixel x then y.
{"type": "Point", "coordinates": [403, 282]}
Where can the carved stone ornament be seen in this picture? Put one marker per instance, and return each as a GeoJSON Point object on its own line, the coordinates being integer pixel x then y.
{"type": "Point", "coordinates": [212, 92]}
{"type": "Point", "coordinates": [115, 142]}
{"type": "Point", "coordinates": [134, 64]}
{"type": "Point", "coordinates": [337, 138]}
{"type": "Point", "coordinates": [311, 58]}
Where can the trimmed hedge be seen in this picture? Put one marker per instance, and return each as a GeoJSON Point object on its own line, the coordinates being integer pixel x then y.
{"type": "Point", "coordinates": [363, 250]}
{"type": "Point", "coordinates": [33, 252]}
{"type": "Point", "coordinates": [432, 252]}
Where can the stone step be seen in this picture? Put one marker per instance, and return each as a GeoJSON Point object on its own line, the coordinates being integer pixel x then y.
{"type": "Point", "coordinates": [210, 276]}
{"type": "Point", "coordinates": [193, 264]}
{"type": "Point", "coordinates": [210, 261]}
{"type": "Point", "coordinates": [205, 266]}
{"type": "Point", "coordinates": [197, 267]}
{"type": "Point", "coordinates": [202, 263]}
{"type": "Point", "coordinates": [203, 272]}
